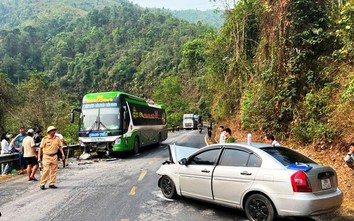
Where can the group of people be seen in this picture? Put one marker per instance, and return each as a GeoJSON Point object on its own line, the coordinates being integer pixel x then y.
{"type": "Point", "coordinates": [32, 149]}
{"type": "Point", "coordinates": [226, 137]}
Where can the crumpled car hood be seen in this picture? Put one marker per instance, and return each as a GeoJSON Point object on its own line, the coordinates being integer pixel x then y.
{"type": "Point", "coordinates": [179, 152]}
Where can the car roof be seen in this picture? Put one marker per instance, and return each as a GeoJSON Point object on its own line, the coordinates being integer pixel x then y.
{"type": "Point", "coordinates": [244, 144]}
{"type": "Point", "coordinates": [254, 147]}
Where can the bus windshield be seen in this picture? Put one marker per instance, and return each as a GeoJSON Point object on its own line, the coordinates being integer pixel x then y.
{"type": "Point", "coordinates": [107, 118]}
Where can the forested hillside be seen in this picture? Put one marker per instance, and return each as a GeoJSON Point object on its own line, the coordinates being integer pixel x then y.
{"type": "Point", "coordinates": [210, 17]}
{"type": "Point", "coordinates": [123, 47]}
{"type": "Point", "coordinates": [30, 12]}
{"type": "Point", "coordinates": [285, 67]}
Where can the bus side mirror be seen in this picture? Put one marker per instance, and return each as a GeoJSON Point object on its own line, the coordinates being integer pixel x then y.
{"type": "Point", "coordinates": [72, 117]}
{"type": "Point", "coordinates": [126, 116]}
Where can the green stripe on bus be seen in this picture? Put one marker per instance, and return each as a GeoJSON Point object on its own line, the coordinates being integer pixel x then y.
{"type": "Point", "coordinates": [137, 102]}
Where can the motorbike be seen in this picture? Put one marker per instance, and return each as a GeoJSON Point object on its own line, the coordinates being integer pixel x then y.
{"type": "Point", "coordinates": [200, 129]}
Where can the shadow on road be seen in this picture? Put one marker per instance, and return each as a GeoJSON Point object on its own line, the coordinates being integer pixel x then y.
{"type": "Point", "coordinates": [231, 213]}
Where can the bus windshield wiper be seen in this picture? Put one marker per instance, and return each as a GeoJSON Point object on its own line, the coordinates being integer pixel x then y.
{"type": "Point", "coordinates": [104, 126]}
{"type": "Point", "coordinates": [93, 126]}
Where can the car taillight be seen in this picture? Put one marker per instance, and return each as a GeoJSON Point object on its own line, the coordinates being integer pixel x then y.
{"type": "Point", "coordinates": [300, 182]}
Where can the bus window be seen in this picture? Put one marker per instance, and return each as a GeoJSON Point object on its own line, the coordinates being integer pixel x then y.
{"type": "Point", "coordinates": [89, 117]}
{"type": "Point", "coordinates": [110, 118]}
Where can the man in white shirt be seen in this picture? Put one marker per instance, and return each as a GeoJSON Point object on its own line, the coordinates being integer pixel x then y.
{"type": "Point", "coordinates": [30, 155]}
{"type": "Point", "coordinates": [269, 139]}
{"type": "Point", "coordinates": [5, 149]}
{"type": "Point", "coordinates": [61, 137]}
{"type": "Point", "coordinates": [222, 135]}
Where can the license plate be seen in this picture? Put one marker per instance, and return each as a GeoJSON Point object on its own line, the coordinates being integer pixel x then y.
{"type": "Point", "coordinates": [326, 184]}
{"type": "Point", "coordinates": [97, 139]}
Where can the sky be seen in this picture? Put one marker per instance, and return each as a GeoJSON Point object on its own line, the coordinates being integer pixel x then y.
{"type": "Point", "coordinates": [177, 4]}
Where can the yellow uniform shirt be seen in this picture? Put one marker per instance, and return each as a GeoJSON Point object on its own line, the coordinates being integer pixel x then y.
{"type": "Point", "coordinates": [50, 145]}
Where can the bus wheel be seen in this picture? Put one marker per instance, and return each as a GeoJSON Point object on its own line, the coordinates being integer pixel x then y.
{"type": "Point", "coordinates": [136, 145]}
{"type": "Point", "coordinates": [101, 154]}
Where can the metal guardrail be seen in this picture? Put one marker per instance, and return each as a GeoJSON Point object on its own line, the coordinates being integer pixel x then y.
{"type": "Point", "coordinates": [7, 158]}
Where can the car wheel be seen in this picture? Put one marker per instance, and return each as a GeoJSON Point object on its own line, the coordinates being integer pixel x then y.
{"type": "Point", "coordinates": [168, 188]}
{"type": "Point", "coordinates": [136, 145]}
{"type": "Point", "coordinates": [258, 207]}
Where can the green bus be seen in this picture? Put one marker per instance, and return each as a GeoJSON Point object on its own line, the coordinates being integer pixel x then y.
{"type": "Point", "coordinates": [117, 121]}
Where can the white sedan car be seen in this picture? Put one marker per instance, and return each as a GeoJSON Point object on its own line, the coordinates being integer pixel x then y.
{"type": "Point", "coordinates": [263, 180]}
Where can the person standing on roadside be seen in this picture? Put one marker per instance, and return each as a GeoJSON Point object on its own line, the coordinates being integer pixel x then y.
{"type": "Point", "coordinates": [222, 135]}
{"type": "Point", "coordinates": [17, 144]}
{"type": "Point", "coordinates": [61, 137]}
{"type": "Point", "coordinates": [5, 149]}
{"type": "Point", "coordinates": [49, 147]}
{"type": "Point", "coordinates": [30, 155]}
{"type": "Point", "coordinates": [349, 158]}
{"type": "Point", "coordinates": [38, 138]}
{"type": "Point", "coordinates": [229, 137]}
{"type": "Point", "coordinates": [269, 139]}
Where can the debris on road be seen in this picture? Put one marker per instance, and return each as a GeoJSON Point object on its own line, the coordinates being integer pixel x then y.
{"type": "Point", "coordinates": [85, 156]}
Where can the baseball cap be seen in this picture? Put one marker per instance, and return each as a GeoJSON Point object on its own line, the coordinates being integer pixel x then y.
{"type": "Point", "coordinates": [30, 131]}
{"type": "Point", "coordinates": [50, 128]}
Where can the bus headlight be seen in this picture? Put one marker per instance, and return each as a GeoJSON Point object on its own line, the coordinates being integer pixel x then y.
{"type": "Point", "coordinates": [117, 141]}
{"type": "Point", "coordinates": [81, 143]}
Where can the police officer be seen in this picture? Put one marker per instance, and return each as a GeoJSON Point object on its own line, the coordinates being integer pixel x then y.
{"type": "Point", "coordinates": [50, 146]}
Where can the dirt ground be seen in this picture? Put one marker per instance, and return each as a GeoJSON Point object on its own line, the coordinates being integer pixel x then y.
{"type": "Point", "coordinates": [334, 159]}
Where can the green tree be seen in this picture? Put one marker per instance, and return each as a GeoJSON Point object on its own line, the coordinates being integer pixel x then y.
{"type": "Point", "coordinates": [169, 93]}
{"type": "Point", "coordinates": [194, 54]}
{"type": "Point", "coordinates": [7, 94]}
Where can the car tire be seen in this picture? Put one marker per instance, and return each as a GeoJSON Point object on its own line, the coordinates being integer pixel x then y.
{"type": "Point", "coordinates": [259, 207]}
{"type": "Point", "coordinates": [168, 188]}
{"type": "Point", "coordinates": [136, 145]}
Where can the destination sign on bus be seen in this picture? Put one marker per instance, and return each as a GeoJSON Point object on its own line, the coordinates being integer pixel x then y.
{"type": "Point", "coordinates": [99, 98]}
{"type": "Point", "coordinates": [99, 105]}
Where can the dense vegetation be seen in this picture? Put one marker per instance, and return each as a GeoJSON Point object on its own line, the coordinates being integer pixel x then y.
{"type": "Point", "coordinates": [279, 66]}
{"type": "Point", "coordinates": [51, 64]}
{"type": "Point", "coordinates": [286, 67]}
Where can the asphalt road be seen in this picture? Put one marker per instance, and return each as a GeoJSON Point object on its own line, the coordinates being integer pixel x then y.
{"type": "Point", "coordinates": [124, 189]}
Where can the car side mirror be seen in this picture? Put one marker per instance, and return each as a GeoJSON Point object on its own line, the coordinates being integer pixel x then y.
{"type": "Point", "coordinates": [183, 161]}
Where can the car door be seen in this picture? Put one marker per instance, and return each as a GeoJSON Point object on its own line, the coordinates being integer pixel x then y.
{"type": "Point", "coordinates": [233, 175]}
{"type": "Point", "coordinates": [195, 176]}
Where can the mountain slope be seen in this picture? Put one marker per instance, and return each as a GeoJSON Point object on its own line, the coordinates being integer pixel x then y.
{"type": "Point", "coordinates": [210, 17]}
{"type": "Point", "coordinates": [29, 12]}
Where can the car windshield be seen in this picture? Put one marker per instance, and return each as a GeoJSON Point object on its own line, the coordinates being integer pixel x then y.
{"type": "Point", "coordinates": [287, 156]}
